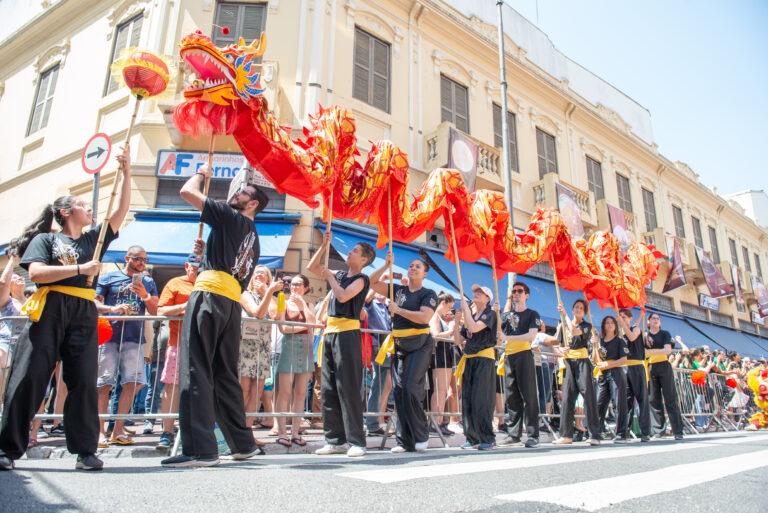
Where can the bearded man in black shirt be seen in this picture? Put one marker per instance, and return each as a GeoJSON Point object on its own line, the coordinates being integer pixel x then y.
{"type": "Point", "coordinates": [210, 334]}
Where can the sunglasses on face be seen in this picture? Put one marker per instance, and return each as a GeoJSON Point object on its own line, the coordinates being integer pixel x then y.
{"type": "Point", "coordinates": [518, 291]}
{"type": "Point", "coordinates": [140, 259]}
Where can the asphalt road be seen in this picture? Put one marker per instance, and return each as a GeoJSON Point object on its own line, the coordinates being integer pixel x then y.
{"type": "Point", "coordinates": [716, 472]}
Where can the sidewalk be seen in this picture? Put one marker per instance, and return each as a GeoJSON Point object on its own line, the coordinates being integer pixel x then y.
{"type": "Point", "coordinates": [144, 445]}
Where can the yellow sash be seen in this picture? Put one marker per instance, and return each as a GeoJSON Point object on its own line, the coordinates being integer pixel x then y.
{"type": "Point", "coordinates": [36, 302]}
{"type": "Point", "coordinates": [389, 344]}
{"type": "Point", "coordinates": [575, 354]}
{"type": "Point", "coordinates": [488, 352]}
{"type": "Point", "coordinates": [644, 363]}
{"type": "Point", "coordinates": [656, 358]}
{"type": "Point", "coordinates": [597, 372]}
{"type": "Point", "coordinates": [335, 325]}
{"type": "Point", "coordinates": [516, 346]}
{"type": "Point", "coordinates": [219, 282]}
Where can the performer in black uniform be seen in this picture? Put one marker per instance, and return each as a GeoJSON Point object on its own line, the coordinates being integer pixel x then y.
{"type": "Point", "coordinates": [578, 375]}
{"type": "Point", "coordinates": [342, 354]}
{"type": "Point", "coordinates": [476, 371]}
{"type": "Point", "coordinates": [662, 392]}
{"type": "Point", "coordinates": [62, 324]}
{"type": "Point", "coordinates": [412, 309]}
{"type": "Point", "coordinates": [637, 380]}
{"type": "Point", "coordinates": [209, 388]}
{"type": "Point", "coordinates": [520, 325]}
{"type": "Point", "coordinates": [612, 382]}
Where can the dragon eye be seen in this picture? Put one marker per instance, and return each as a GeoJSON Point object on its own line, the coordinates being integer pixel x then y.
{"type": "Point", "coordinates": [229, 57]}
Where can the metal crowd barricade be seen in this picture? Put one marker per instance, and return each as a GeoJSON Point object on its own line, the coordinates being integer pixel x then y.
{"type": "Point", "coordinates": [704, 408]}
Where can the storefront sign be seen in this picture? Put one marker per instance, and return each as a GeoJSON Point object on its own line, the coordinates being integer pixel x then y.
{"type": "Point", "coordinates": [183, 164]}
{"type": "Point", "coordinates": [709, 302]}
{"type": "Point", "coordinates": [757, 319]}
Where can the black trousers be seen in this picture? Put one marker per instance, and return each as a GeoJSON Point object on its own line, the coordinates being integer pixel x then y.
{"type": "Point", "coordinates": [520, 393]}
{"type": "Point", "coordinates": [409, 372]}
{"type": "Point", "coordinates": [341, 379]}
{"type": "Point", "coordinates": [66, 331]}
{"type": "Point", "coordinates": [209, 388]}
{"type": "Point", "coordinates": [612, 388]}
{"type": "Point", "coordinates": [578, 379]}
{"type": "Point", "coordinates": [637, 390]}
{"type": "Point", "coordinates": [663, 394]}
{"type": "Point", "coordinates": [478, 400]}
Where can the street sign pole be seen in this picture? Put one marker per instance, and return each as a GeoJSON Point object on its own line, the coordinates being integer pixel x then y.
{"type": "Point", "coordinates": [95, 199]}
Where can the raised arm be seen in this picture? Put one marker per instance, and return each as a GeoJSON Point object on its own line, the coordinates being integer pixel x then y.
{"type": "Point", "coordinates": [315, 265]}
{"type": "Point", "coordinates": [631, 332]}
{"type": "Point", "coordinates": [470, 323]}
{"type": "Point", "coordinates": [379, 286]}
{"type": "Point", "coordinates": [5, 280]}
{"type": "Point", "coordinates": [118, 216]}
{"type": "Point", "coordinates": [190, 191]}
{"type": "Point", "coordinates": [340, 293]}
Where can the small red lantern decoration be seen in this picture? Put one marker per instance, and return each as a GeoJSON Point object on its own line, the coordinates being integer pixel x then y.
{"type": "Point", "coordinates": [699, 378]}
{"type": "Point", "coordinates": [105, 330]}
{"type": "Point", "coordinates": [731, 383]}
{"type": "Point", "coordinates": [225, 30]}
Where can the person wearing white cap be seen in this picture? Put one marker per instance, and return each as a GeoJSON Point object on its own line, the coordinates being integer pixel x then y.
{"type": "Point", "coordinates": [475, 371]}
{"type": "Point", "coordinates": [520, 325]}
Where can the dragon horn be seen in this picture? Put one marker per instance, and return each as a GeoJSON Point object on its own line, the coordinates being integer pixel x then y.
{"type": "Point", "coordinates": [258, 49]}
{"type": "Point", "coordinates": [241, 42]}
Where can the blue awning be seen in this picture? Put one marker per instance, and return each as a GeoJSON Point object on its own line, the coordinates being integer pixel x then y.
{"type": "Point", "coordinates": [344, 240]}
{"type": "Point", "coordinates": [729, 339]}
{"type": "Point", "coordinates": [760, 341]}
{"type": "Point", "coordinates": [167, 237]}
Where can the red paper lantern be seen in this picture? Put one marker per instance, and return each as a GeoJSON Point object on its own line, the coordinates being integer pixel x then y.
{"type": "Point", "coordinates": [699, 378]}
{"type": "Point", "coordinates": [105, 330]}
{"type": "Point", "coordinates": [145, 73]}
{"type": "Point", "coordinates": [731, 382]}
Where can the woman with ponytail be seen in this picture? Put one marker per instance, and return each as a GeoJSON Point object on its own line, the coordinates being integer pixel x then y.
{"type": "Point", "coordinates": [61, 326]}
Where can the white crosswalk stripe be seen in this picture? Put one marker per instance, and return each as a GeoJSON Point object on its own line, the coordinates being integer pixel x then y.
{"type": "Point", "coordinates": [601, 493]}
{"type": "Point", "coordinates": [562, 455]}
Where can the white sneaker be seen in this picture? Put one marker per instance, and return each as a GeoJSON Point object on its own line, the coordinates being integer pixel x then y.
{"type": "Point", "coordinates": [398, 449]}
{"type": "Point", "coordinates": [421, 446]}
{"type": "Point", "coordinates": [331, 449]}
{"type": "Point", "coordinates": [456, 427]}
{"type": "Point", "coordinates": [356, 451]}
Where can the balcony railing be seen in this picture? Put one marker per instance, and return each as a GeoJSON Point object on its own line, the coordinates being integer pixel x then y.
{"type": "Point", "coordinates": [488, 157]}
{"type": "Point", "coordinates": [545, 193]}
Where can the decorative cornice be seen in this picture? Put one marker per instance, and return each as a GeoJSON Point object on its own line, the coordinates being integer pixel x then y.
{"type": "Point", "coordinates": [125, 10]}
{"type": "Point", "coordinates": [613, 117]}
{"type": "Point", "coordinates": [592, 150]}
{"type": "Point", "coordinates": [56, 54]}
{"type": "Point", "coordinates": [375, 24]}
{"type": "Point", "coordinates": [454, 70]}
{"type": "Point", "coordinates": [545, 122]}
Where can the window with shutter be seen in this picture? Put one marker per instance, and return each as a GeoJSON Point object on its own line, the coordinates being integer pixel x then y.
{"type": "Point", "coordinates": [545, 146]}
{"type": "Point", "coordinates": [497, 137]}
{"type": "Point", "coordinates": [747, 264]}
{"type": "Point", "coordinates": [697, 238]}
{"type": "Point", "coordinates": [713, 245]}
{"type": "Point", "coordinates": [127, 35]}
{"type": "Point", "coordinates": [677, 215]}
{"type": "Point", "coordinates": [649, 205]}
{"type": "Point", "coordinates": [595, 178]}
{"type": "Point", "coordinates": [734, 253]}
{"type": "Point", "coordinates": [758, 267]}
{"type": "Point", "coordinates": [370, 82]}
{"type": "Point", "coordinates": [244, 20]}
{"type": "Point", "coordinates": [625, 198]}
{"type": "Point", "coordinates": [454, 103]}
{"type": "Point", "coordinates": [41, 109]}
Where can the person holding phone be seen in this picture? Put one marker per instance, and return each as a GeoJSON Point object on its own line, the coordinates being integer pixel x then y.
{"type": "Point", "coordinates": [124, 292]}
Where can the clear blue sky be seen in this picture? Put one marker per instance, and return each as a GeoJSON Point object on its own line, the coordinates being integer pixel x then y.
{"type": "Point", "coordinates": [700, 67]}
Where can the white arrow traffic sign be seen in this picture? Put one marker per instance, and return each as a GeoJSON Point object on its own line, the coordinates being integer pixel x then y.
{"type": "Point", "coordinates": [96, 153]}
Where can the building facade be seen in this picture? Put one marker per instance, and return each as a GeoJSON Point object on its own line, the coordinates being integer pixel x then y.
{"type": "Point", "coordinates": [409, 70]}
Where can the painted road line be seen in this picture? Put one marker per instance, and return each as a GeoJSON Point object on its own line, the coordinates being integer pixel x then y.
{"type": "Point", "coordinates": [514, 461]}
{"type": "Point", "coordinates": [601, 493]}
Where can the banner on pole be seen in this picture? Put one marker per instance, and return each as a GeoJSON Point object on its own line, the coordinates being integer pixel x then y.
{"type": "Point", "coordinates": [462, 155]}
{"type": "Point", "coordinates": [761, 295]}
{"type": "Point", "coordinates": [716, 282]}
{"type": "Point", "coordinates": [676, 276]}
{"type": "Point", "coordinates": [620, 228]}
{"type": "Point", "coordinates": [738, 290]}
{"type": "Point", "coordinates": [569, 211]}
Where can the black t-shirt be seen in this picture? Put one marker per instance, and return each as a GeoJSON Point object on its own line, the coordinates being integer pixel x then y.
{"type": "Point", "coordinates": [350, 309]}
{"type": "Point", "coordinates": [233, 245]}
{"type": "Point", "coordinates": [659, 340]}
{"type": "Point", "coordinates": [59, 249]}
{"type": "Point", "coordinates": [583, 340]}
{"type": "Point", "coordinates": [413, 301]}
{"type": "Point", "coordinates": [520, 323]}
{"type": "Point", "coordinates": [613, 349]}
{"type": "Point", "coordinates": [636, 348]}
{"type": "Point", "coordinates": [484, 338]}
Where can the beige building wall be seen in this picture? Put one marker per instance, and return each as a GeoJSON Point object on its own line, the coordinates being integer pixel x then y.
{"type": "Point", "coordinates": [309, 61]}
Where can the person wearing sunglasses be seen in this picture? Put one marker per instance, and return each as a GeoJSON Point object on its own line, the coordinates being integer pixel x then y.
{"type": "Point", "coordinates": [209, 388]}
{"type": "Point", "coordinates": [519, 326]}
{"type": "Point", "coordinates": [124, 292]}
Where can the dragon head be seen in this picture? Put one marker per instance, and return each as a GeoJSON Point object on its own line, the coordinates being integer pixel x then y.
{"type": "Point", "coordinates": [224, 75]}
